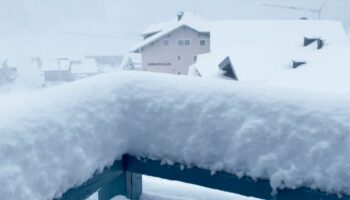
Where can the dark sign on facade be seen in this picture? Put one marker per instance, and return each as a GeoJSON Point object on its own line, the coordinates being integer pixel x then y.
{"type": "Point", "coordinates": [159, 64]}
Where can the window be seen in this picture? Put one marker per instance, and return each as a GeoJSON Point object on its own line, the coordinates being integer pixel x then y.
{"type": "Point", "coordinates": [179, 58]}
{"type": "Point", "coordinates": [195, 58]}
{"type": "Point", "coordinates": [166, 42]}
{"type": "Point", "coordinates": [202, 42]}
{"type": "Point", "coordinates": [184, 42]}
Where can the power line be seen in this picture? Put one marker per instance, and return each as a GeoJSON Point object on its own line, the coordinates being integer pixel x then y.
{"type": "Point", "coordinates": [317, 11]}
{"type": "Point", "coordinates": [101, 36]}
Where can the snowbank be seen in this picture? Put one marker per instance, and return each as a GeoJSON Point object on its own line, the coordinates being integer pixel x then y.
{"type": "Point", "coordinates": [56, 138]}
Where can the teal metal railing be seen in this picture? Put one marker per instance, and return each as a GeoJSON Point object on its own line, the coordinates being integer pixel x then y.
{"type": "Point", "coordinates": [124, 177]}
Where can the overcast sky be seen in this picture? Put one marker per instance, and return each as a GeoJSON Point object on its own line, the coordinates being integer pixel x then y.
{"type": "Point", "coordinates": [123, 20]}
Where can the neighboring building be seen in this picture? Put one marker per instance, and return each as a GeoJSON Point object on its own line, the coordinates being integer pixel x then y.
{"type": "Point", "coordinates": [301, 54]}
{"type": "Point", "coordinates": [106, 63]}
{"type": "Point", "coordinates": [172, 47]}
{"type": "Point", "coordinates": [65, 69]}
{"type": "Point", "coordinates": [57, 70]}
{"type": "Point", "coordinates": [58, 76]}
{"type": "Point", "coordinates": [82, 68]}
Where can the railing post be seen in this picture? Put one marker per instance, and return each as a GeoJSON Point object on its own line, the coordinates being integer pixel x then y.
{"type": "Point", "coordinates": [114, 188]}
{"type": "Point", "coordinates": [127, 184]}
{"type": "Point", "coordinates": [133, 185]}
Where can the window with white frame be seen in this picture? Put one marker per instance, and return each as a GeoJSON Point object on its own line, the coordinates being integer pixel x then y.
{"type": "Point", "coordinates": [184, 42]}
{"type": "Point", "coordinates": [166, 42]}
{"type": "Point", "coordinates": [202, 42]}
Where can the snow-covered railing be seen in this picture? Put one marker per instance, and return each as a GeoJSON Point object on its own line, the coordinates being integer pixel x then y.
{"type": "Point", "coordinates": [54, 139]}
{"type": "Point", "coordinates": [125, 178]}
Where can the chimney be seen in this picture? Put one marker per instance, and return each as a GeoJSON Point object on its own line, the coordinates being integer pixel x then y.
{"type": "Point", "coordinates": [320, 44]}
{"type": "Point", "coordinates": [319, 41]}
{"type": "Point", "coordinates": [297, 64]}
{"type": "Point", "coordinates": [308, 41]}
{"type": "Point", "coordinates": [228, 69]}
{"type": "Point", "coordinates": [180, 15]}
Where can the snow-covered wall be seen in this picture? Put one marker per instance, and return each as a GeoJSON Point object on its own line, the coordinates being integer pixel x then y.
{"type": "Point", "coordinates": [53, 139]}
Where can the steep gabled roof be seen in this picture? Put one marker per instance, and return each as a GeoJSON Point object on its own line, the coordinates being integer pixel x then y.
{"type": "Point", "coordinates": [160, 30]}
{"type": "Point", "coordinates": [155, 28]}
{"type": "Point", "coordinates": [187, 16]}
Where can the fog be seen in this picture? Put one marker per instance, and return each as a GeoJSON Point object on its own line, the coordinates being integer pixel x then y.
{"type": "Point", "coordinates": [78, 27]}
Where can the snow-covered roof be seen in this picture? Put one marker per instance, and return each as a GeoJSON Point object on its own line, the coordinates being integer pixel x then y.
{"type": "Point", "coordinates": [189, 20]}
{"type": "Point", "coordinates": [155, 28]}
{"type": "Point", "coordinates": [84, 66]}
{"type": "Point", "coordinates": [291, 138]}
{"type": "Point", "coordinates": [262, 51]}
{"type": "Point", "coordinates": [189, 17]}
{"type": "Point", "coordinates": [75, 65]}
{"type": "Point", "coordinates": [54, 64]}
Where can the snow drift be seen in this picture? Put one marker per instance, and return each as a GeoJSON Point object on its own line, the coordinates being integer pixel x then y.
{"type": "Point", "coordinates": [53, 139]}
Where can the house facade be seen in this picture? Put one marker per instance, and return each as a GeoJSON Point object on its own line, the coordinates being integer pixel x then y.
{"type": "Point", "coordinates": [175, 47]}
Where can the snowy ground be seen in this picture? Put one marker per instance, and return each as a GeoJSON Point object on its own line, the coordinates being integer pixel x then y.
{"type": "Point", "coordinates": [160, 189]}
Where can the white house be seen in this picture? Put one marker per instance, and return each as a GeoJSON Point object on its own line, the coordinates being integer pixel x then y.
{"type": "Point", "coordinates": [301, 54]}
{"type": "Point", "coordinates": [173, 46]}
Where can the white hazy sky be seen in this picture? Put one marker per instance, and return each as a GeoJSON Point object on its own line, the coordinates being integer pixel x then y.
{"type": "Point", "coordinates": [53, 26]}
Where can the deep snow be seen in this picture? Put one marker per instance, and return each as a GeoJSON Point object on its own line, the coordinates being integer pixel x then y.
{"type": "Point", "coordinates": [56, 138]}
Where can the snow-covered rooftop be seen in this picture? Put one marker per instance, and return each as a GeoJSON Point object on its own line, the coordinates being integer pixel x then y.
{"type": "Point", "coordinates": [56, 138]}
{"type": "Point", "coordinates": [189, 19]}
{"type": "Point", "coordinates": [84, 66]}
{"type": "Point", "coordinates": [262, 52]}
{"type": "Point", "coordinates": [75, 65]}
{"type": "Point", "coordinates": [154, 28]}
{"type": "Point", "coordinates": [54, 64]}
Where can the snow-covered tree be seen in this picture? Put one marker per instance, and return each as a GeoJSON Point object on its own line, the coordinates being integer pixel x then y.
{"type": "Point", "coordinates": [7, 74]}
